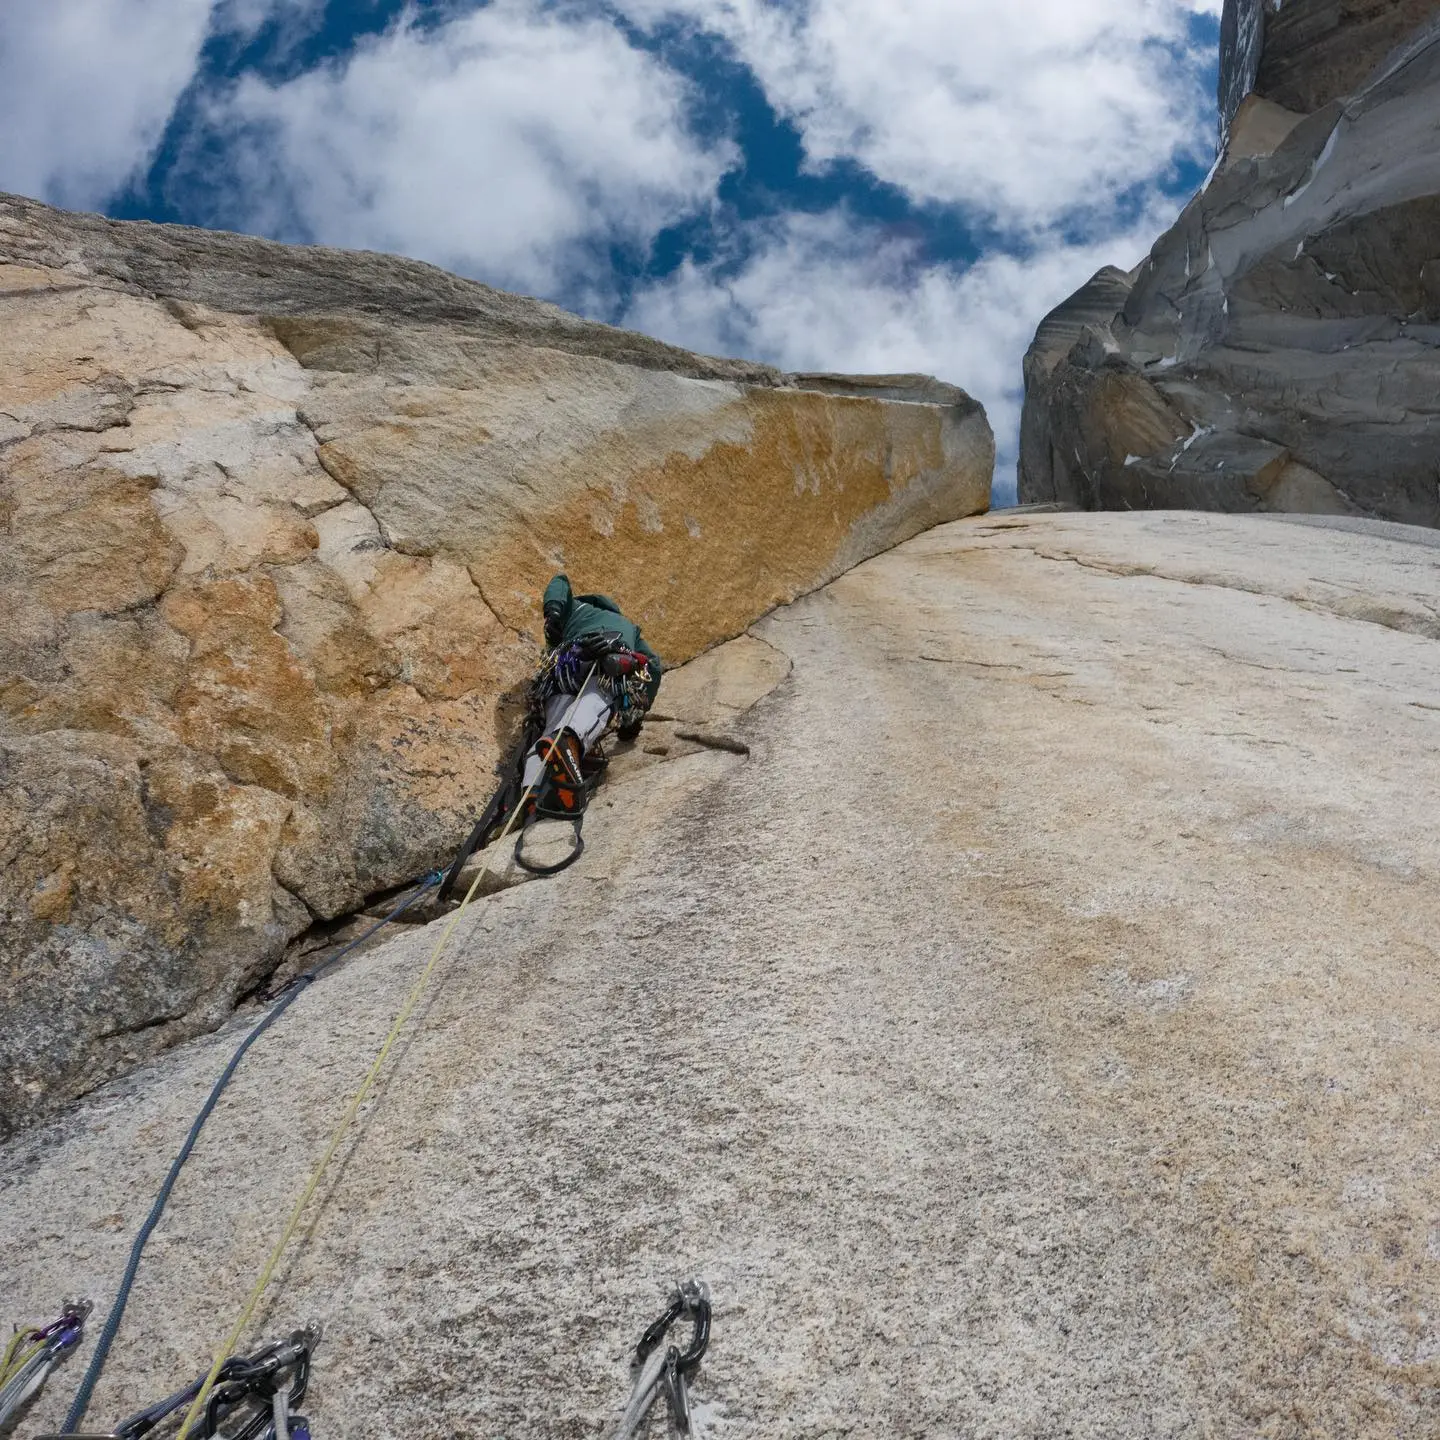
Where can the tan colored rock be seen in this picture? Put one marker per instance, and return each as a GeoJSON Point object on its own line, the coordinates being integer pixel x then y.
{"type": "Point", "coordinates": [1259, 128]}
{"type": "Point", "coordinates": [1296, 489]}
{"type": "Point", "coordinates": [275, 522]}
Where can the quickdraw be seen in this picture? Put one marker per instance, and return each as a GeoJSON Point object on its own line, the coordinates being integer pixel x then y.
{"type": "Point", "coordinates": [33, 1353]}
{"type": "Point", "coordinates": [254, 1397]}
{"type": "Point", "coordinates": [668, 1369]}
{"type": "Point", "coordinates": [563, 672]}
{"type": "Point", "coordinates": [630, 695]}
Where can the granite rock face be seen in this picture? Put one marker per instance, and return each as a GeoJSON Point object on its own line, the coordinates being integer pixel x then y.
{"type": "Point", "coordinates": [1305, 53]}
{"type": "Point", "coordinates": [275, 522]}
{"type": "Point", "coordinates": [1280, 348]}
{"type": "Point", "coordinates": [1036, 1035]}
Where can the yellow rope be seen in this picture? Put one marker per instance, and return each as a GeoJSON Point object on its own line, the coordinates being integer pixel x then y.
{"type": "Point", "coordinates": [247, 1313]}
{"type": "Point", "coordinates": [13, 1362]}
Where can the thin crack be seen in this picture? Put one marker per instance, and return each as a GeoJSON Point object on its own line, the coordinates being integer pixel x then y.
{"type": "Point", "coordinates": [1396, 619]}
{"type": "Point", "coordinates": [499, 619]}
{"type": "Point", "coordinates": [711, 741]}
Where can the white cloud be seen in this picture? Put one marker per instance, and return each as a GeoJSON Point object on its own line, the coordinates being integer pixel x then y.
{"type": "Point", "coordinates": [503, 142]}
{"type": "Point", "coordinates": [86, 87]}
{"type": "Point", "coordinates": [1024, 111]}
{"type": "Point", "coordinates": [826, 293]}
{"type": "Point", "coordinates": [246, 18]}
{"type": "Point", "coordinates": [517, 140]}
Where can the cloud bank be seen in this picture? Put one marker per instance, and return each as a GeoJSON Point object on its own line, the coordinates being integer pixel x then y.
{"type": "Point", "coordinates": [86, 87]}
{"type": "Point", "coordinates": [554, 146]}
{"type": "Point", "coordinates": [1023, 112]}
{"type": "Point", "coordinates": [514, 142]}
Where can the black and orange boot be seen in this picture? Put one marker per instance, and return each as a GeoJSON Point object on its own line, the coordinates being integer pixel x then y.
{"type": "Point", "coordinates": [527, 812]}
{"type": "Point", "coordinates": [564, 767]}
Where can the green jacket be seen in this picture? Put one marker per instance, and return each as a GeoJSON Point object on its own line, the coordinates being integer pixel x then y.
{"type": "Point", "coordinates": [584, 615]}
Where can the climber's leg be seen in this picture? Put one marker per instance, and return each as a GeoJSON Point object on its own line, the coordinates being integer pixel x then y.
{"type": "Point", "coordinates": [582, 728]}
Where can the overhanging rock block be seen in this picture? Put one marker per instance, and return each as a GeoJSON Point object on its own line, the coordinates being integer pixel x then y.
{"type": "Point", "coordinates": [1295, 304]}
{"type": "Point", "coordinates": [276, 523]}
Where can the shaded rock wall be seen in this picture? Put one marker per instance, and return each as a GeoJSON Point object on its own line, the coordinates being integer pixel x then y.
{"type": "Point", "coordinates": [275, 523]}
{"type": "Point", "coordinates": [1242, 45]}
{"type": "Point", "coordinates": [1316, 51]}
{"type": "Point", "coordinates": [1280, 348]}
{"type": "Point", "coordinates": [1305, 53]}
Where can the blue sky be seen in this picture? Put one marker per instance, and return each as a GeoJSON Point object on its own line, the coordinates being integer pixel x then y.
{"type": "Point", "coordinates": [822, 184]}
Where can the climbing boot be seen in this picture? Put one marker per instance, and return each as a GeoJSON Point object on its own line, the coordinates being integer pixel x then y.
{"type": "Point", "coordinates": [564, 768]}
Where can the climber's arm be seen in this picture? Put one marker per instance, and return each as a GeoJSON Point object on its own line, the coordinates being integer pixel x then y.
{"type": "Point", "coordinates": [656, 667]}
{"type": "Point", "coordinates": [556, 605]}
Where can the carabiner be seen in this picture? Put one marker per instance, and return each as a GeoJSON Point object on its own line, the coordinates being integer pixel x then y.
{"type": "Point", "coordinates": [668, 1370]}
{"type": "Point", "coordinates": [691, 1298]}
{"type": "Point", "coordinates": [34, 1353]}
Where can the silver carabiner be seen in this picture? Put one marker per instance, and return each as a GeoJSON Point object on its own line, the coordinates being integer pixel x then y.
{"type": "Point", "coordinates": [662, 1366]}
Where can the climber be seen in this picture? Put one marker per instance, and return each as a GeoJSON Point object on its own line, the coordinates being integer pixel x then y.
{"type": "Point", "coordinates": [599, 664]}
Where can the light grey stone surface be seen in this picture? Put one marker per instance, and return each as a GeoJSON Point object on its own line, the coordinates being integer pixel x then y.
{"type": "Point", "coordinates": [1037, 1035]}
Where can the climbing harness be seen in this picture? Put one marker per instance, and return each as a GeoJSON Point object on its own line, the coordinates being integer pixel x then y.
{"type": "Point", "coordinates": [665, 1368]}
{"type": "Point", "coordinates": [253, 1398]}
{"type": "Point", "coordinates": [569, 782]}
{"type": "Point", "coordinates": [34, 1352]}
{"type": "Point", "coordinates": [287, 997]}
{"type": "Point", "coordinates": [622, 674]}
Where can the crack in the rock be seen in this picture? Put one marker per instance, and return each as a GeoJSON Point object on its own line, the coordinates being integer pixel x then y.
{"type": "Point", "coordinates": [154, 1023]}
{"type": "Point", "coordinates": [711, 741]}
{"type": "Point", "coordinates": [963, 660]}
{"type": "Point", "coordinates": [1385, 621]}
{"type": "Point", "coordinates": [24, 292]}
{"type": "Point", "coordinates": [1248, 735]}
{"type": "Point", "coordinates": [1255, 664]}
{"type": "Point", "coordinates": [65, 427]}
{"type": "Point", "coordinates": [769, 645]}
{"type": "Point", "coordinates": [305, 422]}
{"type": "Point", "coordinates": [499, 619]}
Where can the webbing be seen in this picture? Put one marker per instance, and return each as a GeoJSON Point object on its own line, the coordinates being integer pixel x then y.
{"type": "Point", "coordinates": [413, 999]}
